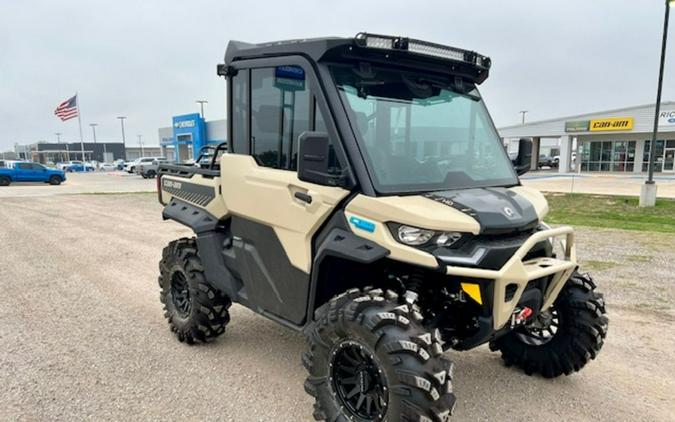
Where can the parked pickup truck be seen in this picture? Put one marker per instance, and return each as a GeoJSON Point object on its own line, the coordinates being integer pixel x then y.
{"type": "Point", "coordinates": [31, 172]}
{"type": "Point", "coordinates": [149, 170]}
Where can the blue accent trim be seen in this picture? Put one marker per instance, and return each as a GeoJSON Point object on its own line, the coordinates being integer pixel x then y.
{"type": "Point", "coordinates": [365, 225]}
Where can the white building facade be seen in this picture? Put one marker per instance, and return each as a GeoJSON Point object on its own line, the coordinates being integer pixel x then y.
{"type": "Point", "coordinates": [608, 141]}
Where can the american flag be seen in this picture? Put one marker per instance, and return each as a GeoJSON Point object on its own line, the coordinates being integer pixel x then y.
{"type": "Point", "coordinates": [67, 109]}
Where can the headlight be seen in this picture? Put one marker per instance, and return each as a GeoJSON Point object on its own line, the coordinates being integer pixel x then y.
{"type": "Point", "coordinates": [448, 239]}
{"type": "Point", "coordinates": [414, 236]}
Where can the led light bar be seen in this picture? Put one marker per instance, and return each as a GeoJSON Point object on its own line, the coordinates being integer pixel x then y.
{"type": "Point", "coordinates": [425, 48]}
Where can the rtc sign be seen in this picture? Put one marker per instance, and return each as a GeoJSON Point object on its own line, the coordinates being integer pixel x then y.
{"type": "Point", "coordinates": [667, 118]}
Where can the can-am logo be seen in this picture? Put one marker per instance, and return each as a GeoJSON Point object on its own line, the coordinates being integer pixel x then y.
{"type": "Point", "coordinates": [172, 184]}
{"type": "Point", "coordinates": [508, 212]}
{"type": "Point", "coordinates": [184, 124]}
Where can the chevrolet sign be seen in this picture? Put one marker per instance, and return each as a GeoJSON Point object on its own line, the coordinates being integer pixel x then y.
{"type": "Point", "coordinates": [184, 124]}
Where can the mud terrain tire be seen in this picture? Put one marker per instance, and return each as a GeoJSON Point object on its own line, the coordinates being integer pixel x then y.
{"type": "Point", "coordinates": [416, 379]}
{"type": "Point", "coordinates": [196, 311]}
{"type": "Point", "coordinates": [580, 334]}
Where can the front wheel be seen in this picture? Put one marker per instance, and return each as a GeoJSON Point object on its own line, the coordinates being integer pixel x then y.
{"type": "Point", "coordinates": [370, 359]}
{"type": "Point", "coordinates": [196, 311]}
{"type": "Point", "coordinates": [562, 339]}
{"type": "Point", "coordinates": [55, 180]}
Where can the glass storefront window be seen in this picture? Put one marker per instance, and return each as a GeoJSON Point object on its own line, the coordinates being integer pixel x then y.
{"type": "Point", "coordinates": [608, 156]}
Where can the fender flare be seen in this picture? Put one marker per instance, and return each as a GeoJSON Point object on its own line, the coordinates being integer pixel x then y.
{"type": "Point", "coordinates": [198, 219]}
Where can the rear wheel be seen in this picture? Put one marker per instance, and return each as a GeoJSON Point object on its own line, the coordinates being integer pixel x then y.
{"type": "Point", "coordinates": [196, 311]}
{"type": "Point", "coordinates": [5, 181]}
{"type": "Point", "coordinates": [370, 359]}
{"type": "Point", "coordinates": [55, 180]}
{"type": "Point", "coordinates": [151, 174]}
{"type": "Point", "coordinates": [562, 339]}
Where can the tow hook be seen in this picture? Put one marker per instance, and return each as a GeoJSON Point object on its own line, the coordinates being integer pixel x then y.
{"type": "Point", "coordinates": [519, 316]}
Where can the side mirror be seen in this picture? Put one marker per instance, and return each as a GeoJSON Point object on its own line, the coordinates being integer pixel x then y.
{"type": "Point", "coordinates": [313, 158]}
{"type": "Point", "coordinates": [523, 161]}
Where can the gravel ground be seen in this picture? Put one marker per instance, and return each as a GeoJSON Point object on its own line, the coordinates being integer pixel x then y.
{"type": "Point", "coordinates": [82, 334]}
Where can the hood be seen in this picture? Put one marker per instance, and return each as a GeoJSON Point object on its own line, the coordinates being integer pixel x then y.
{"type": "Point", "coordinates": [480, 210]}
{"type": "Point", "coordinates": [497, 210]}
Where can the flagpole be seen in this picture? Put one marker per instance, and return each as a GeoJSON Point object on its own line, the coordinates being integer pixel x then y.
{"type": "Point", "coordinates": [79, 122]}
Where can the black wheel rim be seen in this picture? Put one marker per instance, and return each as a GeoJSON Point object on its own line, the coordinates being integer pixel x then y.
{"type": "Point", "coordinates": [358, 382]}
{"type": "Point", "coordinates": [541, 330]}
{"type": "Point", "coordinates": [180, 294]}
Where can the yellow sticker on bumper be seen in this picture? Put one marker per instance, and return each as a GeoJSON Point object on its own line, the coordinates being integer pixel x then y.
{"type": "Point", "coordinates": [473, 290]}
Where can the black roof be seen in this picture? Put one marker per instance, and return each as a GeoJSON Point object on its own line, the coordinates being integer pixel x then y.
{"type": "Point", "coordinates": [314, 48]}
{"type": "Point", "coordinates": [345, 49]}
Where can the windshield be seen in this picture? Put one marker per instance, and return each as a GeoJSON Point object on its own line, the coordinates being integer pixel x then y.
{"type": "Point", "coordinates": [422, 133]}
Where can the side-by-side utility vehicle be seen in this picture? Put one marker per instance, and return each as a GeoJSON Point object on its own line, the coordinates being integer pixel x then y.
{"type": "Point", "coordinates": [366, 199]}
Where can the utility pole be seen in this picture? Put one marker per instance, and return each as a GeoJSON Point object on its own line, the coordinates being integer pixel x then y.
{"type": "Point", "coordinates": [140, 142]}
{"type": "Point", "coordinates": [201, 104]}
{"type": "Point", "coordinates": [648, 191]}
{"type": "Point", "coordinates": [124, 141]}
{"type": "Point", "coordinates": [523, 113]}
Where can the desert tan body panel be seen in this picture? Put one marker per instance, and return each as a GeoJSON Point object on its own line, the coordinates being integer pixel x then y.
{"type": "Point", "coordinates": [267, 196]}
{"type": "Point", "coordinates": [174, 186]}
{"type": "Point", "coordinates": [414, 210]}
{"type": "Point", "coordinates": [422, 212]}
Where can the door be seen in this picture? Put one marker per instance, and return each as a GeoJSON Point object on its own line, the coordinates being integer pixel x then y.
{"type": "Point", "coordinates": [39, 172]}
{"type": "Point", "coordinates": [275, 215]}
{"type": "Point", "coordinates": [25, 172]}
{"type": "Point", "coordinates": [669, 160]}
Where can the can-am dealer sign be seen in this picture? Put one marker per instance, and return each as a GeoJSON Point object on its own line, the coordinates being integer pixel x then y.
{"type": "Point", "coordinates": [667, 118]}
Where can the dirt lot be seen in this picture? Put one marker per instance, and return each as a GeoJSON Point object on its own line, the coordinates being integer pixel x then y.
{"type": "Point", "coordinates": [82, 334]}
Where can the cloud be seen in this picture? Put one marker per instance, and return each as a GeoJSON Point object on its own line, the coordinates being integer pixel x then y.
{"type": "Point", "coordinates": [151, 60]}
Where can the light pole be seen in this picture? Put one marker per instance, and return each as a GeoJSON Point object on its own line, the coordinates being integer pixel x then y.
{"type": "Point", "coordinates": [58, 141]}
{"type": "Point", "coordinates": [124, 140]}
{"type": "Point", "coordinates": [140, 142]}
{"type": "Point", "coordinates": [93, 129]}
{"type": "Point", "coordinates": [201, 104]}
{"type": "Point", "coordinates": [523, 113]}
{"type": "Point", "coordinates": [648, 191]}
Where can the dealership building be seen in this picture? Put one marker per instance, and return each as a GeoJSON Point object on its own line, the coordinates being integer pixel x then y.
{"type": "Point", "coordinates": [616, 140]}
{"type": "Point", "coordinates": [188, 134]}
{"type": "Point", "coordinates": [55, 152]}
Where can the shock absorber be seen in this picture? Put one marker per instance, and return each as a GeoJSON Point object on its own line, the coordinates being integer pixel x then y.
{"type": "Point", "coordinates": [413, 285]}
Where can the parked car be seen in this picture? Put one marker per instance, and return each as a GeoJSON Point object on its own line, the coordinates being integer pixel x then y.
{"type": "Point", "coordinates": [545, 161]}
{"type": "Point", "coordinates": [119, 164]}
{"type": "Point", "coordinates": [149, 170]}
{"type": "Point", "coordinates": [107, 167]}
{"type": "Point", "coordinates": [31, 172]}
{"type": "Point", "coordinates": [75, 166]}
{"type": "Point", "coordinates": [130, 167]}
{"type": "Point", "coordinates": [556, 160]}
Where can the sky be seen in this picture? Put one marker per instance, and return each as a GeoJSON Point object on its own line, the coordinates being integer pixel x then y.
{"type": "Point", "coordinates": [150, 60]}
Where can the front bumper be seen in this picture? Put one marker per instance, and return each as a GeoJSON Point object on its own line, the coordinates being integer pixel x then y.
{"type": "Point", "coordinates": [518, 273]}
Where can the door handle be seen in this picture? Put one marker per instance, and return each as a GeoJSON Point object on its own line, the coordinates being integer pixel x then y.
{"type": "Point", "coordinates": [303, 197]}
